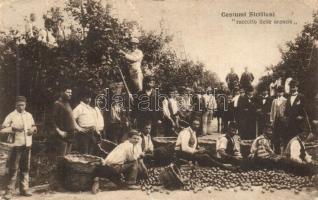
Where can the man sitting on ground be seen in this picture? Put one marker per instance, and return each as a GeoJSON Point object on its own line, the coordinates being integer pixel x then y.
{"type": "Point", "coordinates": [261, 149]}
{"type": "Point", "coordinates": [187, 147]}
{"type": "Point", "coordinates": [298, 158]}
{"type": "Point", "coordinates": [125, 159]}
{"type": "Point", "coordinates": [228, 147]}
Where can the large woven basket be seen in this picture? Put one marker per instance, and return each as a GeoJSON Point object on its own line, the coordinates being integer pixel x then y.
{"type": "Point", "coordinates": [79, 163]}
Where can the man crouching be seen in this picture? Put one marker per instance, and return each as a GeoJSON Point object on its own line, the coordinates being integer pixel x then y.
{"type": "Point", "coordinates": [125, 159]}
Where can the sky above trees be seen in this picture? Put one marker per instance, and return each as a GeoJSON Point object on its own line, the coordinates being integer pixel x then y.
{"type": "Point", "coordinates": [200, 33]}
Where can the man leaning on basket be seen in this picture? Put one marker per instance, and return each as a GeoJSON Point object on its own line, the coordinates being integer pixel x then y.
{"type": "Point", "coordinates": [125, 159]}
{"type": "Point", "coordinates": [22, 124]}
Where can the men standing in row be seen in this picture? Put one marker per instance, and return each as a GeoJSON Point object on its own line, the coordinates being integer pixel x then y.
{"type": "Point", "coordinates": [246, 79]}
{"type": "Point", "coordinates": [232, 80]}
{"type": "Point", "coordinates": [23, 127]}
{"type": "Point", "coordinates": [86, 118]}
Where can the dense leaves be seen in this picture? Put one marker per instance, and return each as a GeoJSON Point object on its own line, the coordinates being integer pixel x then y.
{"type": "Point", "coordinates": [86, 57]}
{"type": "Point", "coordinates": [300, 61]}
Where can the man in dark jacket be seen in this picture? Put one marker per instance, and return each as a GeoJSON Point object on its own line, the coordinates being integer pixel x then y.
{"type": "Point", "coordinates": [246, 79]}
{"type": "Point", "coordinates": [246, 109]}
{"type": "Point", "coordinates": [264, 104]}
{"type": "Point", "coordinates": [232, 80]}
{"type": "Point", "coordinates": [295, 111]}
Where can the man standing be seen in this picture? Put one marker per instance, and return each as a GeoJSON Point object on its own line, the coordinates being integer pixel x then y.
{"type": "Point", "coordinates": [232, 80]}
{"type": "Point", "coordinates": [277, 119]}
{"type": "Point", "coordinates": [134, 58]}
{"type": "Point", "coordinates": [63, 123]}
{"type": "Point", "coordinates": [295, 111]}
{"type": "Point", "coordinates": [247, 115]}
{"type": "Point", "coordinates": [246, 79]}
{"type": "Point", "coordinates": [228, 147]}
{"type": "Point", "coordinates": [263, 109]}
{"type": "Point", "coordinates": [171, 111]}
{"type": "Point", "coordinates": [145, 104]}
{"type": "Point", "coordinates": [86, 119]}
{"type": "Point", "coordinates": [209, 106]}
{"type": "Point", "coordinates": [22, 124]}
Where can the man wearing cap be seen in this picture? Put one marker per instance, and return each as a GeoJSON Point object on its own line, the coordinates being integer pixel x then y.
{"type": "Point", "coordinates": [86, 119]}
{"type": "Point", "coordinates": [228, 146]}
{"type": "Point", "coordinates": [278, 119]}
{"type": "Point", "coordinates": [125, 159]}
{"type": "Point", "coordinates": [134, 58]}
{"type": "Point", "coordinates": [22, 124]}
{"type": "Point", "coordinates": [295, 111]}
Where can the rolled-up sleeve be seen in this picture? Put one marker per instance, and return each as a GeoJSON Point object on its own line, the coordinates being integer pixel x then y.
{"type": "Point", "coordinates": [185, 143]}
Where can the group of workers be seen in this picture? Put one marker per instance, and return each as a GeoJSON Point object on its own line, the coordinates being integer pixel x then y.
{"type": "Point", "coordinates": [277, 119]}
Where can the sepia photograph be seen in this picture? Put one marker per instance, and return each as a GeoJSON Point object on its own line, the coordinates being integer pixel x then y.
{"type": "Point", "coordinates": [159, 99]}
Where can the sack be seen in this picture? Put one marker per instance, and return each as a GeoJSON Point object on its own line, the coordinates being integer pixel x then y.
{"type": "Point", "coordinates": [171, 178]}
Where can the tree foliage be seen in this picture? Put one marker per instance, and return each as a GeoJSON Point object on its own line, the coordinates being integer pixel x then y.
{"type": "Point", "coordinates": [87, 57]}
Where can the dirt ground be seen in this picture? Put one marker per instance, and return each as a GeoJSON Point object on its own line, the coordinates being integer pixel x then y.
{"type": "Point", "coordinates": [182, 195]}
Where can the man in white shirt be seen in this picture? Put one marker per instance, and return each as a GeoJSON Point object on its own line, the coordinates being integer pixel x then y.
{"type": "Point", "coordinates": [187, 147]}
{"type": "Point", "coordinates": [278, 119]}
{"type": "Point", "coordinates": [209, 106]}
{"type": "Point", "coordinates": [228, 146]}
{"type": "Point", "coordinates": [171, 112]}
{"type": "Point", "coordinates": [299, 159]}
{"type": "Point", "coordinates": [134, 57]}
{"type": "Point", "coordinates": [86, 118]}
{"type": "Point", "coordinates": [22, 124]}
{"type": "Point", "coordinates": [125, 159]}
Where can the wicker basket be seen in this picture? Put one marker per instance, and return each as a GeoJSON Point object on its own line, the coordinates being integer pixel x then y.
{"type": "Point", "coordinates": [78, 163]}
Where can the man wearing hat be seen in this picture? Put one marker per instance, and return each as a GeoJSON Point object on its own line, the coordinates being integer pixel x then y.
{"type": "Point", "coordinates": [134, 58]}
{"type": "Point", "coordinates": [295, 111]}
{"type": "Point", "coordinates": [23, 127]}
{"type": "Point", "coordinates": [228, 145]}
{"type": "Point", "coordinates": [246, 79]}
{"type": "Point", "coordinates": [277, 118]}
